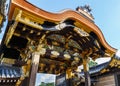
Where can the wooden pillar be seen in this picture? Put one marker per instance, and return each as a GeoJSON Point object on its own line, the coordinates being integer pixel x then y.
{"type": "Point", "coordinates": [69, 77]}
{"type": "Point", "coordinates": [34, 68]}
{"type": "Point", "coordinates": [86, 72]}
{"type": "Point", "coordinates": [1, 19]}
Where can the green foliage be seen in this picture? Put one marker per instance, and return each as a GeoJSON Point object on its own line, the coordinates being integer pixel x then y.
{"type": "Point", "coordinates": [92, 63]}
{"type": "Point", "coordinates": [46, 84]}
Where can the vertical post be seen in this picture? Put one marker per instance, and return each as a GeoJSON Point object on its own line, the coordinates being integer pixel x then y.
{"type": "Point", "coordinates": [34, 68]}
{"type": "Point", "coordinates": [86, 72]}
{"type": "Point", "coordinates": [69, 76]}
{"type": "Point", "coordinates": [1, 19]}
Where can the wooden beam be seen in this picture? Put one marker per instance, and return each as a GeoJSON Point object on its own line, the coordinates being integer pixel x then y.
{"type": "Point", "coordinates": [69, 76]}
{"type": "Point", "coordinates": [10, 33]}
{"type": "Point", "coordinates": [34, 68]}
{"type": "Point", "coordinates": [1, 19]}
{"type": "Point", "coordinates": [86, 72]}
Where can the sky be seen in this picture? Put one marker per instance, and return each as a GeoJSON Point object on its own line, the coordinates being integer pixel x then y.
{"type": "Point", "coordinates": [41, 77]}
{"type": "Point", "coordinates": [105, 12]}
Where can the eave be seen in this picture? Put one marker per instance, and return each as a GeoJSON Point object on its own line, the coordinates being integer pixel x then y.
{"type": "Point", "coordinates": [58, 17]}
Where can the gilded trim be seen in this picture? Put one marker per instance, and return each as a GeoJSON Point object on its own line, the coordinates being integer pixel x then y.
{"type": "Point", "coordinates": [58, 17]}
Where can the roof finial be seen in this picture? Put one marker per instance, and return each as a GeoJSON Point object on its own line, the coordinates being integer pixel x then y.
{"type": "Point", "coordinates": [86, 9]}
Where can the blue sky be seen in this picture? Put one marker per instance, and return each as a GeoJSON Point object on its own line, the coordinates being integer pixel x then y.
{"type": "Point", "coordinates": [105, 12]}
{"type": "Point", "coordinates": [44, 77]}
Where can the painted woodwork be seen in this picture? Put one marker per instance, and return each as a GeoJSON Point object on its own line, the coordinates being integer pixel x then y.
{"type": "Point", "coordinates": [60, 17]}
{"type": "Point", "coordinates": [64, 41]}
{"type": "Point", "coordinates": [1, 19]}
{"type": "Point", "coordinates": [34, 68]}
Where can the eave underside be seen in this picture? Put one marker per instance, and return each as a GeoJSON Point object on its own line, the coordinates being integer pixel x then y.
{"type": "Point", "coordinates": [62, 40]}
